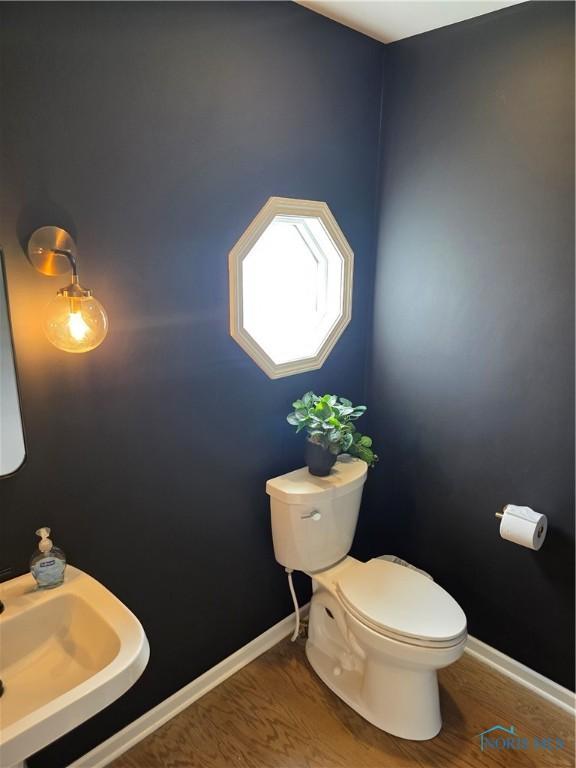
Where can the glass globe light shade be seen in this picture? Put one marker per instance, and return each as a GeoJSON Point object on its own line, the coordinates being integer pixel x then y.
{"type": "Point", "coordinates": [75, 324]}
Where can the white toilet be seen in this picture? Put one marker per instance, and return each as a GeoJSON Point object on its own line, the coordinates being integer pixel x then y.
{"type": "Point", "coordinates": [378, 631]}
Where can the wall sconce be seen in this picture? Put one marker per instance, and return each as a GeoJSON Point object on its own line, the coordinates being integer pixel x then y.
{"type": "Point", "coordinates": [74, 321]}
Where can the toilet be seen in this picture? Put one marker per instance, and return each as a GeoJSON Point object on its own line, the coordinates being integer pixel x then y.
{"type": "Point", "coordinates": [378, 631]}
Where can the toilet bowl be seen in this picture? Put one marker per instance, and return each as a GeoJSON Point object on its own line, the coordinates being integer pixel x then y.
{"type": "Point", "coordinates": [378, 631]}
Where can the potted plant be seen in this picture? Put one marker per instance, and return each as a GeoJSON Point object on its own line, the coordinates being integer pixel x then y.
{"type": "Point", "coordinates": [329, 422]}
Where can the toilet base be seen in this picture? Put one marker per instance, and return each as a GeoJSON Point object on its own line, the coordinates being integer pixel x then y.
{"type": "Point", "coordinates": [400, 701]}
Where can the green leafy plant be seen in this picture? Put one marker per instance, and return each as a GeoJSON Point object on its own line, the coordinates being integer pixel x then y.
{"type": "Point", "coordinates": [329, 422]}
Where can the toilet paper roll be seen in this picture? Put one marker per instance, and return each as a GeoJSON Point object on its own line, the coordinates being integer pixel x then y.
{"type": "Point", "coordinates": [523, 526]}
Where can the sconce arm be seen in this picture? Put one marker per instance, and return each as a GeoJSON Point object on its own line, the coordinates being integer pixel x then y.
{"type": "Point", "coordinates": [71, 260]}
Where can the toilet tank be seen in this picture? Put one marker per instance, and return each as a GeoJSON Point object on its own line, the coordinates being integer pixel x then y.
{"type": "Point", "coordinates": [314, 518]}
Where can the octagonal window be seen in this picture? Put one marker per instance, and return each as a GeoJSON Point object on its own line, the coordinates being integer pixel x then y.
{"type": "Point", "coordinates": [290, 286]}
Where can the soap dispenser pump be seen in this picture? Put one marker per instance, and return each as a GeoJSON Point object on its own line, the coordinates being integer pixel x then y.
{"type": "Point", "coordinates": [48, 563]}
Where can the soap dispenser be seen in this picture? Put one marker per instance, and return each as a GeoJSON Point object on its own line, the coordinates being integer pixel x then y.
{"type": "Point", "coordinates": [48, 563]}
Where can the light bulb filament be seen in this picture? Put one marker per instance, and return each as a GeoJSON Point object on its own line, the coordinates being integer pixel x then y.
{"type": "Point", "coordinates": [78, 326]}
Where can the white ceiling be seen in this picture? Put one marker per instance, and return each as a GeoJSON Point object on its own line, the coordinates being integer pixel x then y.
{"type": "Point", "coordinates": [389, 20]}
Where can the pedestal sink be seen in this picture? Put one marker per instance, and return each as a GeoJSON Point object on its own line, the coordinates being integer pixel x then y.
{"type": "Point", "coordinates": [65, 654]}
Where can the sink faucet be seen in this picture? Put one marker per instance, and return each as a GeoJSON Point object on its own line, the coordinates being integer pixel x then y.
{"type": "Point", "coordinates": [4, 573]}
{"type": "Point", "coordinates": [1, 683]}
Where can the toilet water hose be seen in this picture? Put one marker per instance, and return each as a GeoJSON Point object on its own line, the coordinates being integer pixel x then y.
{"type": "Point", "coordinates": [295, 601]}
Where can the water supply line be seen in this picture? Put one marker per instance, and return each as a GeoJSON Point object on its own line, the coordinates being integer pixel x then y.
{"type": "Point", "coordinates": [296, 632]}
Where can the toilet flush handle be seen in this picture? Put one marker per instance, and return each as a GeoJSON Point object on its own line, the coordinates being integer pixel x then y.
{"type": "Point", "coordinates": [314, 515]}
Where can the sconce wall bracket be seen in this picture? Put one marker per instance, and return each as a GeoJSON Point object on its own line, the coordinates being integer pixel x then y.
{"type": "Point", "coordinates": [52, 251]}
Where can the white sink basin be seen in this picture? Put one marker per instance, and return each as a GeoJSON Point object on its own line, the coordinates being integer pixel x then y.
{"type": "Point", "coordinates": [65, 654]}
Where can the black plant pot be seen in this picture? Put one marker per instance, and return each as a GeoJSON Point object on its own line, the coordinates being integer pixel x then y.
{"type": "Point", "coordinates": [319, 460]}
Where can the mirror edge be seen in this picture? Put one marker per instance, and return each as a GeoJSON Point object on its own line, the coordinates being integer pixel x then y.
{"type": "Point", "coordinates": [4, 287]}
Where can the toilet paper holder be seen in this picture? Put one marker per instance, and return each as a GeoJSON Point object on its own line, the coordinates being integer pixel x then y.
{"type": "Point", "coordinates": [500, 515]}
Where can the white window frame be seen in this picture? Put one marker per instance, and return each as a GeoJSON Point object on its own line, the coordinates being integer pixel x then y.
{"type": "Point", "coordinates": [283, 206]}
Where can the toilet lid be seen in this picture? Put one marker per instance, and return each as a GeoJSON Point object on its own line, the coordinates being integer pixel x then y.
{"type": "Point", "coordinates": [399, 601]}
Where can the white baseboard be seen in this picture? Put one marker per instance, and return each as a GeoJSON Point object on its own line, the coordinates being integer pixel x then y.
{"type": "Point", "coordinates": [122, 741]}
{"type": "Point", "coordinates": [518, 672]}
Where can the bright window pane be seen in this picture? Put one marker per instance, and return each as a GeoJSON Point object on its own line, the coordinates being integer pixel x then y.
{"type": "Point", "coordinates": [284, 292]}
{"type": "Point", "coordinates": [293, 289]}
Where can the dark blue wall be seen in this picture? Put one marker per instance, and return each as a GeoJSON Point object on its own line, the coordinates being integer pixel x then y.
{"type": "Point", "coordinates": [156, 131]}
{"type": "Point", "coordinates": [473, 368]}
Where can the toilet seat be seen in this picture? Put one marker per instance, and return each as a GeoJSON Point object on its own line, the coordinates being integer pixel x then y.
{"type": "Point", "coordinates": [401, 604]}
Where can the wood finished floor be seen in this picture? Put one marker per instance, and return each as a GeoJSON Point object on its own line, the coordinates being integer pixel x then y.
{"type": "Point", "coordinates": [275, 713]}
